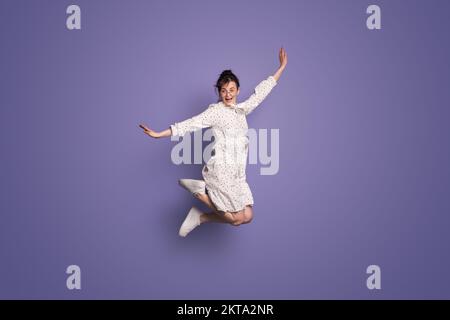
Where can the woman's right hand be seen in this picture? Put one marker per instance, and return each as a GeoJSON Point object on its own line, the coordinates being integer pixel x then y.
{"type": "Point", "coordinates": [150, 132]}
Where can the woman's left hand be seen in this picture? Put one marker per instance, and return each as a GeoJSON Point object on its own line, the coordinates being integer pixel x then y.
{"type": "Point", "coordinates": [283, 58]}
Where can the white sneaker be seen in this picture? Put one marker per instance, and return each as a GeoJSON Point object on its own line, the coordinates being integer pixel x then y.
{"type": "Point", "coordinates": [193, 186]}
{"type": "Point", "coordinates": [191, 221]}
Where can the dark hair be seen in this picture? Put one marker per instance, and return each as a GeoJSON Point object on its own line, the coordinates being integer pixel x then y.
{"type": "Point", "coordinates": [225, 77]}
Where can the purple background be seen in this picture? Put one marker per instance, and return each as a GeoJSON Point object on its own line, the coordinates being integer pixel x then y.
{"type": "Point", "coordinates": [364, 149]}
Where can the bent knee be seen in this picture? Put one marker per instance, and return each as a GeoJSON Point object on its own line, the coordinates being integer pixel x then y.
{"type": "Point", "coordinates": [248, 214]}
{"type": "Point", "coordinates": [237, 219]}
{"type": "Point", "coordinates": [247, 220]}
{"type": "Point", "coordinates": [242, 218]}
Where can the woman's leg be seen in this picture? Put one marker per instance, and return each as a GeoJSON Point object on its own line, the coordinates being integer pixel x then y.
{"type": "Point", "coordinates": [214, 216]}
{"type": "Point", "coordinates": [248, 214]}
{"type": "Point", "coordinates": [203, 197]}
{"type": "Point", "coordinates": [234, 218]}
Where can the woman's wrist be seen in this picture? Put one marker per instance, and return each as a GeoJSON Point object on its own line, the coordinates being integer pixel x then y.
{"type": "Point", "coordinates": [165, 133]}
{"type": "Point", "coordinates": [278, 73]}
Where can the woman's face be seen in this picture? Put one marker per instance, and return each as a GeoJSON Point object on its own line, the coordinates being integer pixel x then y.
{"type": "Point", "coordinates": [229, 92]}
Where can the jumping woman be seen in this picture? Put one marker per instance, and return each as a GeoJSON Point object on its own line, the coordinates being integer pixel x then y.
{"type": "Point", "coordinates": [224, 188]}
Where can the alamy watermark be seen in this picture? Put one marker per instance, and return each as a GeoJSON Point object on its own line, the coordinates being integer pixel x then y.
{"type": "Point", "coordinates": [73, 281]}
{"type": "Point", "coordinates": [374, 280]}
{"type": "Point", "coordinates": [231, 149]}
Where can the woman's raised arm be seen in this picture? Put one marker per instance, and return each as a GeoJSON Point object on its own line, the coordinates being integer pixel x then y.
{"type": "Point", "coordinates": [283, 62]}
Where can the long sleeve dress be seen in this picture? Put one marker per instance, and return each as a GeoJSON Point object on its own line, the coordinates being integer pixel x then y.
{"type": "Point", "coordinates": [224, 173]}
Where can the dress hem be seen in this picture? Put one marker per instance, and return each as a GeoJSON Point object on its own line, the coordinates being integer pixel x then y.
{"type": "Point", "coordinates": [221, 209]}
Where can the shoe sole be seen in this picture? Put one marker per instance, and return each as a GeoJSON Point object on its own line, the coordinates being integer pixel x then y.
{"type": "Point", "coordinates": [193, 193]}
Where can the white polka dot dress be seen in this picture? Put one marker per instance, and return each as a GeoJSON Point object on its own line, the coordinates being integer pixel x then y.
{"type": "Point", "coordinates": [224, 173]}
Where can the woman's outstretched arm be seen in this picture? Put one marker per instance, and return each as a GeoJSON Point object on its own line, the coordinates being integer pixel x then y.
{"type": "Point", "coordinates": [155, 134]}
{"type": "Point", "coordinates": [283, 63]}
{"type": "Point", "coordinates": [205, 119]}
